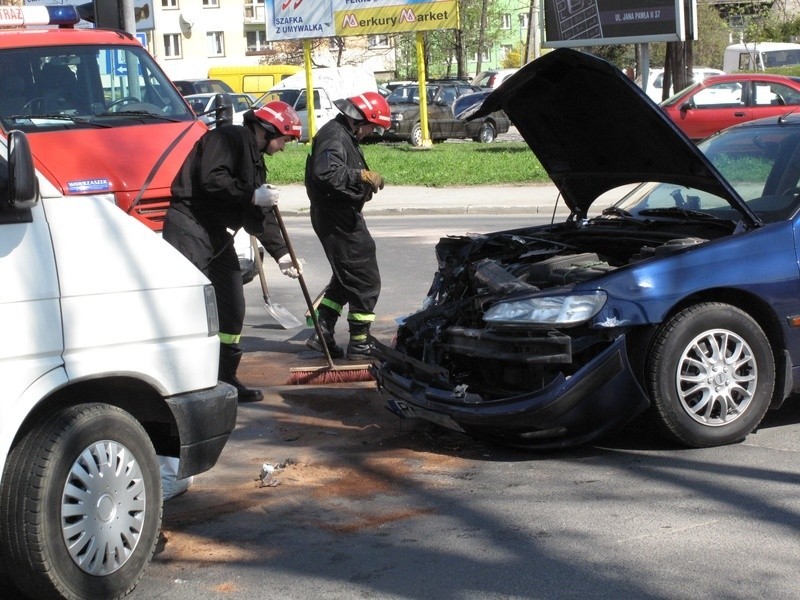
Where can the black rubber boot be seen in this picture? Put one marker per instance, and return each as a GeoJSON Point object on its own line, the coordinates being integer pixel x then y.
{"type": "Point", "coordinates": [359, 347]}
{"type": "Point", "coordinates": [327, 321]}
{"type": "Point", "coordinates": [229, 358]}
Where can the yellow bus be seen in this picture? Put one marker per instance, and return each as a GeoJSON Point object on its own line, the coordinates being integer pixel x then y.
{"type": "Point", "coordinates": [252, 79]}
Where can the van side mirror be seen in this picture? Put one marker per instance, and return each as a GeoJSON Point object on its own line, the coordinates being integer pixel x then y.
{"type": "Point", "coordinates": [223, 109]}
{"type": "Point", "coordinates": [19, 187]}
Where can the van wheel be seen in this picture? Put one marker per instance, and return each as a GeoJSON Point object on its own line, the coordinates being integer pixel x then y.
{"type": "Point", "coordinates": [80, 505]}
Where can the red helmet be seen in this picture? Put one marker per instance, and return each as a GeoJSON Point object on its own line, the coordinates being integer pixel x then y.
{"type": "Point", "coordinates": [369, 106]}
{"type": "Point", "coordinates": [282, 117]}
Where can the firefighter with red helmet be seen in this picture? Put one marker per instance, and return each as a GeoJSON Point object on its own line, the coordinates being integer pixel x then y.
{"type": "Point", "coordinates": [220, 188]}
{"type": "Point", "coordinates": [339, 182]}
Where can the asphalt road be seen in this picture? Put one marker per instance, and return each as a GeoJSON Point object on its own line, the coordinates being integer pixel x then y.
{"type": "Point", "coordinates": [367, 506]}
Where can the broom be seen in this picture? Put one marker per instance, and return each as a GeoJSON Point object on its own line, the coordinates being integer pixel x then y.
{"type": "Point", "coordinates": [329, 373]}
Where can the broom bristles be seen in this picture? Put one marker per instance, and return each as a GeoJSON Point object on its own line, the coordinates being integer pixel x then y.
{"type": "Point", "coordinates": [327, 375]}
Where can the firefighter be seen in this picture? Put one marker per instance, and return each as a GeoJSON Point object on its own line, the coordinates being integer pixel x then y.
{"type": "Point", "coordinates": [220, 188]}
{"type": "Point", "coordinates": [339, 182]}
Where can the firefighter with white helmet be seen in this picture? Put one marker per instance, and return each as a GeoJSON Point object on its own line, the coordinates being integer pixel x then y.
{"type": "Point", "coordinates": [222, 187]}
{"type": "Point", "coordinates": [339, 182]}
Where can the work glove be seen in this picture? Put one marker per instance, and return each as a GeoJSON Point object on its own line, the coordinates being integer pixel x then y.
{"type": "Point", "coordinates": [266, 196]}
{"type": "Point", "coordinates": [286, 266]}
{"type": "Point", "coordinates": [374, 179]}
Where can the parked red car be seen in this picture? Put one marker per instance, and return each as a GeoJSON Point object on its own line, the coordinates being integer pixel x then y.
{"type": "Point", "coordinates": [719, 102]}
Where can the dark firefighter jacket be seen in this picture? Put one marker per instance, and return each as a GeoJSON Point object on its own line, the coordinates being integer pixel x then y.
{"type": "Point", "coordinates": [216, 185]}
{"type": "Point", "coordinates": [329, 186]}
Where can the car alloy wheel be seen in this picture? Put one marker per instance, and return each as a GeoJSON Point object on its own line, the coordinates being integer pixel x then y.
{"type": "Point", "coordinates": [487, 133]}
{"type": "Point", "coordinates": [416, 135]}
{"type": "Point", "coordinates": [711, 374]}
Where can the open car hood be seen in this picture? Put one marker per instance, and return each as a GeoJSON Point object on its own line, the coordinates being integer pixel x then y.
{"type": "Point", "coordinates": [593, 130]}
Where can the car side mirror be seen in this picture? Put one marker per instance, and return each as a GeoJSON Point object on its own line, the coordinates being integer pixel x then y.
{"type": "Point", "coordinates": [19, 187]}
{"type": "Point", "coordinates": [686, 106]}
{"type": "Point", "coordinates": [223, 109]}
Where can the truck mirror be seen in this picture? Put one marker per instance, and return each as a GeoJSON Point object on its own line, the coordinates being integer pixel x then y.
{"type": "Point", "coordinates": [223, 109]}
{"type": "Point", "coordinates": [21, 189]}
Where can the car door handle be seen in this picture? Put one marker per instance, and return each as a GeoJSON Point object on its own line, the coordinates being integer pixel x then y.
{"type": "Point", "coordinates": [739, 114]}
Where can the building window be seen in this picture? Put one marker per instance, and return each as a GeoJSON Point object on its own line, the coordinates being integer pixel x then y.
{"type": "Point", "coordinates": [505, 51]}
{"type": "Point", "coordinates": [523, 20]}
{"type": "Point", "coordinates": [169, 4]}
{"type": "Point", "coordinates": [506, 21]}
{"type": "Point", "coordinates": [216, 43]}
{"type": "Point", "coordinates": [210, 4]}
{"type": "Point", "coordinates": [378, 41]}
{"type": "Point", "coordinates": [257, 41]}
{"type": "Point", "coordinates": [251, 11]}
{"type": "Point", "coordinates": [172, 45]}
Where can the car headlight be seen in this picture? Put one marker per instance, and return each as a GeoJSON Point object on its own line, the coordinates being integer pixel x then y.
{"type": "Point", "coordinates": [397, 118]}
{"type": "Point", "coordinates": [552, 311]}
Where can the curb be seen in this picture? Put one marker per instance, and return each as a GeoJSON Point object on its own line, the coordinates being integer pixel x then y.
{"type": "Point", "coordinates": [445, 210]}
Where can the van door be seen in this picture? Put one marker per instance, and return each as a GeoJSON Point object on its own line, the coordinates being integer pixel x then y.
{"type": "Point", "coordinates": [29, 301]}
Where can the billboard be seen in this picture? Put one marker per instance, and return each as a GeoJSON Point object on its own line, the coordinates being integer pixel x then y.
{"type": "Point", "coordinates": [302, 19]}
{"type": "Point", "coordinates": [571, 23]}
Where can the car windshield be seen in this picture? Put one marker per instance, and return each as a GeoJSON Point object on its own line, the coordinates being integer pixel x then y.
{"type": "Point", "coordinates": [761, 163]}
{"type": "Point", "coordinates": [407, 94]}
{"type": "Point", "coordinates": [84, 86]}
{"type": "Point", "coordinates": [678, 95]}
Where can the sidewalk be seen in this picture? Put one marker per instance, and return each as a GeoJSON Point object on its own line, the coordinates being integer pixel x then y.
{"type": "Point", "coordinates": [524, 199]}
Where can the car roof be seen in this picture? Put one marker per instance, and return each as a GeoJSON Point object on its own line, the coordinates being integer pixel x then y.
{"type": "Point", "coordinates": [585, 147]}
{"type": "Point", "coordinates": [747, 76]}
{"type": "Point", "coordinates": [31, 37]}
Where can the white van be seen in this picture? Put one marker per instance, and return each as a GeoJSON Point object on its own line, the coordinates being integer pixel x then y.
{"type": "Point", "coordinates": [655, 83]}
{"type": "Point", "coordinates": [109, 357]}
{"type": "Point", "coordinates": [760, 56]}
{"type": "Point", "coordinates": [330, 83]}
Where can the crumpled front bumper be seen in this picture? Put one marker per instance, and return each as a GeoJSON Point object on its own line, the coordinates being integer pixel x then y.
{"type": "Point", "coordinates": [569, 411]}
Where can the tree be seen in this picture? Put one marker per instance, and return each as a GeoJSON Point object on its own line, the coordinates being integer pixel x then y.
{"type": "Point", "coordinates": [446, 52]}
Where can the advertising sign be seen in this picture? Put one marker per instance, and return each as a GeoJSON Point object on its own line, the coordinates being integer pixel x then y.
{"type": "Point", "coordinates": [299, 19]}
{"type": "Point", "coordinates": [571, 23]}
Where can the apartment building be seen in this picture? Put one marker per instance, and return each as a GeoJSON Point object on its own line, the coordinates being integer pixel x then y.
{"type": "Point", "coordinates": [191, 36]}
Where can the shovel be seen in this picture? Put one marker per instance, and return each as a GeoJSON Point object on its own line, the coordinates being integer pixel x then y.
{"type": "Point", "coordinates": [284, 318]}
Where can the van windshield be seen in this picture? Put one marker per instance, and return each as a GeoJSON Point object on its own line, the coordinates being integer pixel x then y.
{"type": "Point", "coordinates": [781, 58]}
{"type": "Point", "coordinates": [84, 86]}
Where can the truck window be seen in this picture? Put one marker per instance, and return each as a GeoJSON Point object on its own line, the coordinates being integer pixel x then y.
{"type": "Point", "coordinates": [84, 86]}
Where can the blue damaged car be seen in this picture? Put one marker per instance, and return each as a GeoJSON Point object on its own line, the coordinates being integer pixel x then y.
{"type": "Point", "coordinates": [681, 300]}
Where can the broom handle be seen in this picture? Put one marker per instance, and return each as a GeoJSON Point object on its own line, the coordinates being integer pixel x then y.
{"type": "Point", "coordinates": [303, 286]}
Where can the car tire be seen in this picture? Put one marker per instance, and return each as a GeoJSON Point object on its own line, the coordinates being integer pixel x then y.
{"type": "Point", "coordinates": [67, 532]}
{"type": "Point", "coordinates": [710, 373]}
{"type": "Point", "coordinates": [416, 135]}
{"type": "Point", "coordinates": [486, 134]}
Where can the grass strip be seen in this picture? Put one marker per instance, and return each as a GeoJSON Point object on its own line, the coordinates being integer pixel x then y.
{"type": "Point", "coordinates": [442, 165]}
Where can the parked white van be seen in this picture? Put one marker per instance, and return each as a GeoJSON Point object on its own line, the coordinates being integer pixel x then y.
{"type": "Point", "coordinates": [109, 358]}
{"type": "Point", "coordinates": [655, 83]}
{"type": "Point", "coordinates": [760, 56]}
{"type": "Point", "coordinates": [330, 83]}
